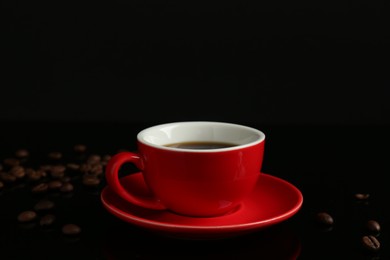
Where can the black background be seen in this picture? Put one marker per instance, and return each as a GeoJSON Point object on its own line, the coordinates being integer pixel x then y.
{"type": "Point", "coordinates": [267, 62]}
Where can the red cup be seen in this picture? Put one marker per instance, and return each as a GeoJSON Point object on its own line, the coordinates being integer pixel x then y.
{"type": "Point", "coordinates": [193, 182]}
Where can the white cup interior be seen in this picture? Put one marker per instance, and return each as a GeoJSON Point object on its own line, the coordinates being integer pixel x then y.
{"type": "Point", "coordinates": [200, 131]}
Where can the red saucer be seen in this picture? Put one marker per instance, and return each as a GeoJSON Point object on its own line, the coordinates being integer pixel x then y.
{"type": "Point", "coordinates": [273, 201]}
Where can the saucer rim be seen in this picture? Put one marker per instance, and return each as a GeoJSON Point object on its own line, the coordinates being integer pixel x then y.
{"type": "Point", "coordinates": [256, 224]}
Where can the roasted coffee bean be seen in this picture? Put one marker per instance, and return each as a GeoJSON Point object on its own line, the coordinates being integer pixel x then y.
{"type": "Point", "coordinates": [54, 185]}
{"type": "Point", "coordinates": [1, 185]}
{"type": "Point", "coordinates": [324, 218]}
{"type": "Point", "coordinates": [27, 216]}
{"type": "Point", "coordinates": [40, 188]}
{"type": "Point", "coordinates": [22, 153]}
{"type": "Point", "coordinates": [71, 229]}
{"type": "Point", "coordinates": [55, 155]}
{"type": "Point", "coordinates": [373, 226]}
{"type": "Point", "coordinates": [6, 177]}
{"type": "Point", "coordinates": [103, 163]}
{"type": "Point", "coordinates": [85, 167]}
{"type": "Point", "coordinates": [34, 175]}
{"type": "Point", "coordinates": [80, 148]}
{"type": "Point", "coordinates": [57, 171]}
{"type": "Point", "coordinates": [11, 162]}
{"type": "Point", "coordinates": [106, 158]}
{"type": "Point", "coordinates": [94, 159]}
{"type": "Point", "coordinates": [18, 172]}
{"type": "Point", "coordinates": [47, 220]}
{"type": "Point", "coordinates": [371, 243]}
{"type": "Point", "coordinates": [96, 169]}
{"type": "Point", "coordinates": [42, 172]}
{"type": "Point", "coordinates": [67, 187]}
{"type": "Point", "coordinates": [73, 166]}
{"type": "Point", "coordinates": [65, 179]}
{"type": "Point", "coordinates": [45, 168]}
{"type": "Point", "coordinates": [57, 168]}
{"type": "Point", "coordinates": [362, 196]}
{"type": "Point", "coordinates": [57, 175]}
{"type": "Point", "coordinates": [43, 205]}
{"type": "Point", "coordinates": [91, 181]}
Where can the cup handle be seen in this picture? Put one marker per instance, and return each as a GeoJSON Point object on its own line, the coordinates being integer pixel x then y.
{"type": "Point", "coordinates": [112, 178]}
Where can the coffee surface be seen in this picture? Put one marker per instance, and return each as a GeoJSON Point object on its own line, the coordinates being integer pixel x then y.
{"type": "Point", "coordinates": [200, 145]}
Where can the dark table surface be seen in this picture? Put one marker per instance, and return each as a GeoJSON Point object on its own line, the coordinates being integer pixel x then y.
{"type": "Point", "coordinates": [329, 164]}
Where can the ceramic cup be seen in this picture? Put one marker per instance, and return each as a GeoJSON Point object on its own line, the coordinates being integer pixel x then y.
{"type": "Point", "coordinates": [193, 182]}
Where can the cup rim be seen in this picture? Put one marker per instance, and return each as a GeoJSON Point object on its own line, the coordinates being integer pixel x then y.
{"type": "Point", "coordinates": [260, 139]}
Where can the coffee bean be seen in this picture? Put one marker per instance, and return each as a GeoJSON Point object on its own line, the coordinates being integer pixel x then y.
{"type": "Point", "coordinates": [44, 205]}
{"type": "Point", "coordinates": [85, 167]}
{"type": "Point", "coordinates": [324, 218]}
{"type": "Point", "coordinates": [94, 159]}
{"type": "Point", "coordinates": [54, 185]}
{"type": "Point", "coordinates": [65, 179]}
{"type": "Point", "coordinates": [1, 185]}
{"type": "Point", "coordinates": [71, 229]}
{"type": "Point", "coordinates": [106, 158]}
{"type": "Point", "coordinates": [73, 166]}
{"type": "Point", "coordinates": [22, 153]}
{"type": "Point", "coordinates": [67, 187]}
{"type": "Point", "coordinates": [17, 171]}
{"type": "Point", "coordinates": [80, 148]}
{"type": "Point", "coordinates": [55, 155]}
{"type": "Point", "coordinates": [57, 171]}
{"type": "Point", "coordinates": [34, 175]}
{"type": "Point", "coordinates": [362, 196]}
{"type": "Point", "coordinates": [6, 177]}
{"type": "Point", "coordinates": [371, 243]}
{"type": "Point", "coordinates": [11, 162]}
{"type": "Point", "coordinates": [57, 175]}
{"type": "Point", "coordinates": [103, 163]}
{"type": "Point", "coordinates": [57, 168]}
{"type": "Point", "coordinates": [47, 220]}
{"type": "Point", "coordinates": [45, 168]}
{"type": "Point", "coordinates": [373, 226]}
{"type": "Point", "coordinates": [91, 181]}
{"type": "Point", "coordinates": [96, 169]}
{"type": "Point", "coordinates": [27, 216]}
{"type": "Point", "coordinates": [42, 172]}
{"type": "Point", "coordinates": [40, 188]}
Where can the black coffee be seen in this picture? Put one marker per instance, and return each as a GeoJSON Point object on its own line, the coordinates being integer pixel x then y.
{"type": "Point", "coordinates": [200, 145]}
